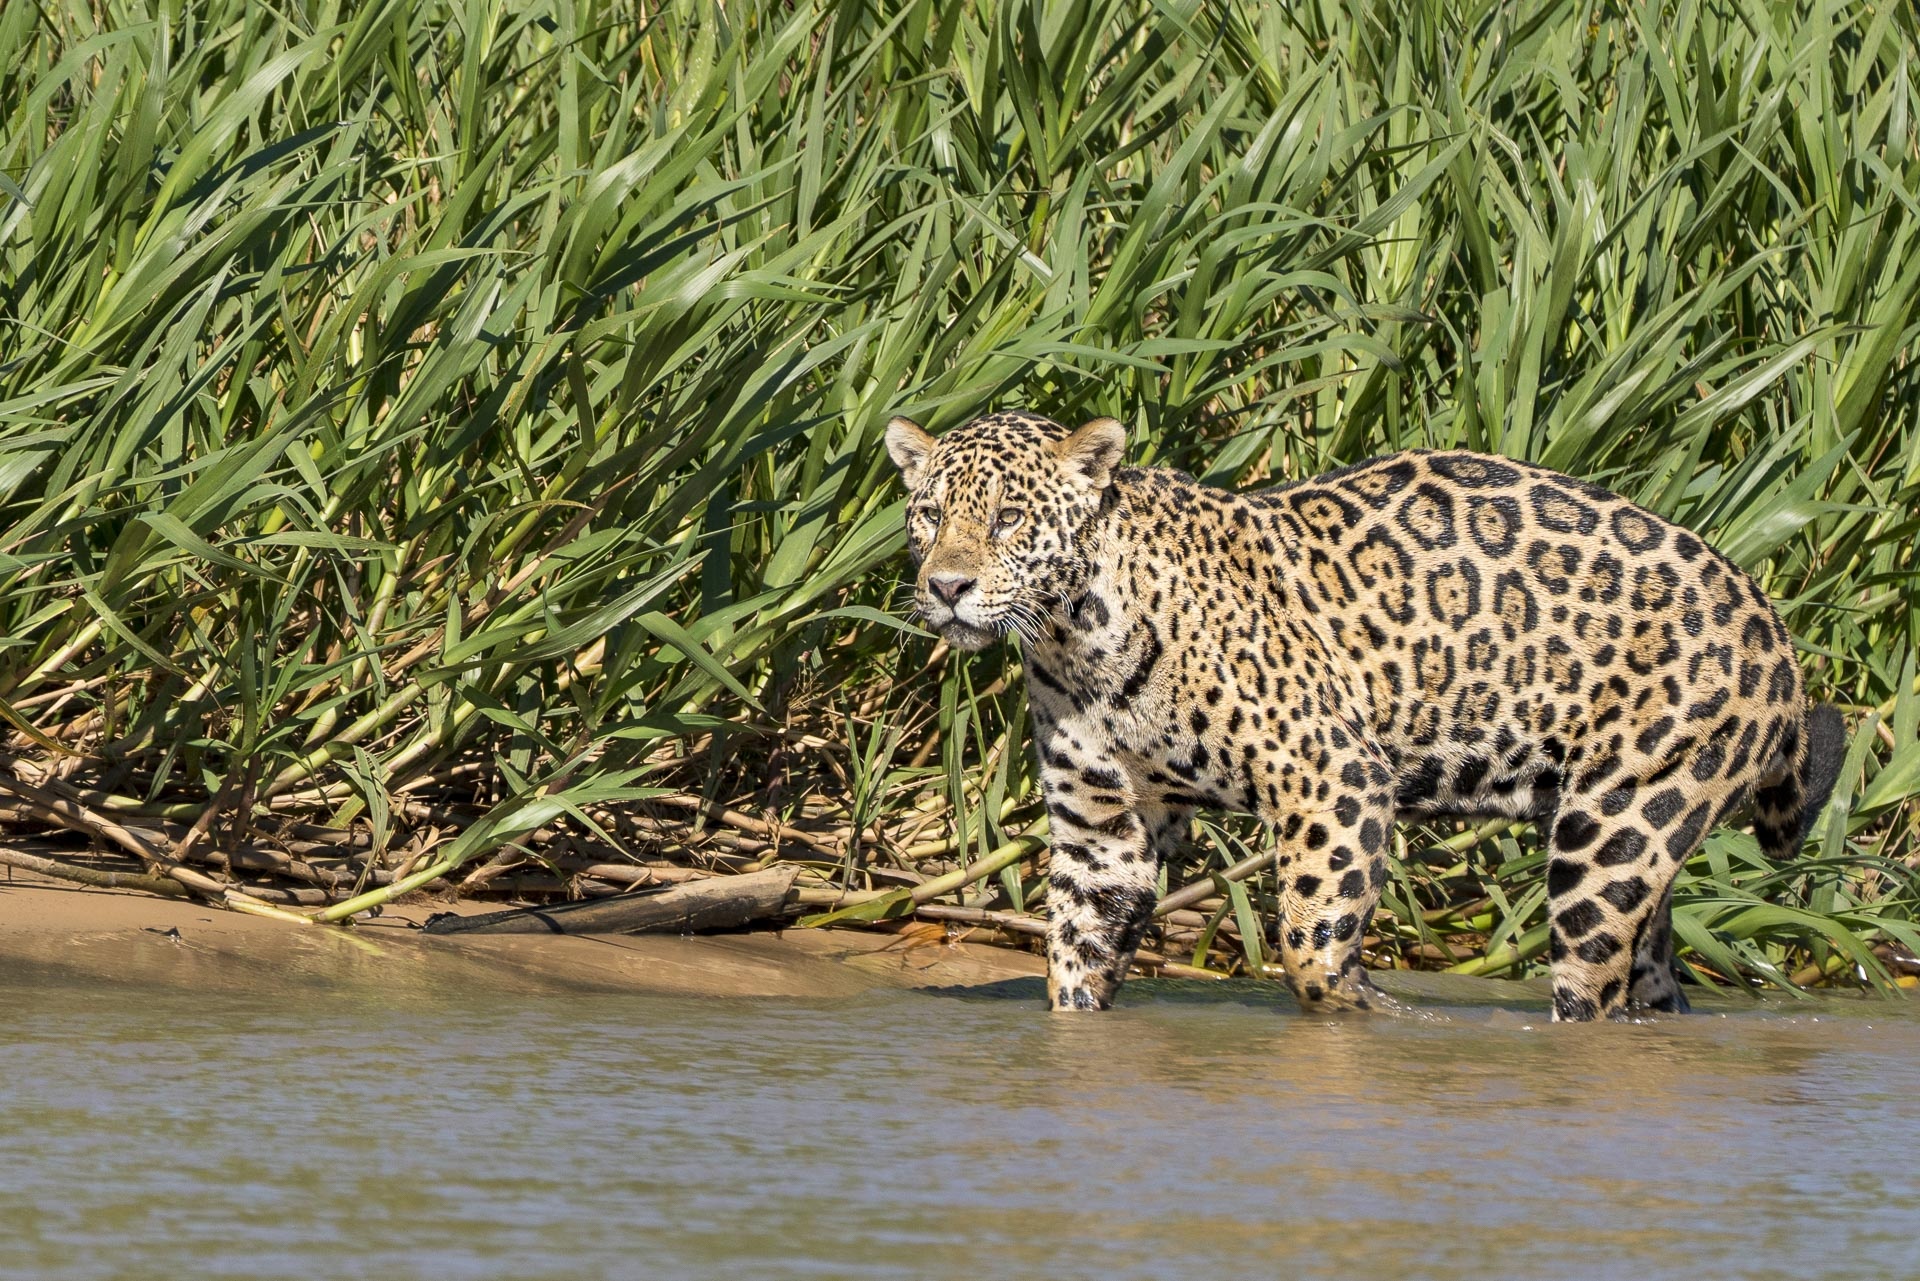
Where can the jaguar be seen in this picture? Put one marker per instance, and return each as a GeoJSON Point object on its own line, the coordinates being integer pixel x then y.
{"type": "Point", "coordinates": [1425, 634]}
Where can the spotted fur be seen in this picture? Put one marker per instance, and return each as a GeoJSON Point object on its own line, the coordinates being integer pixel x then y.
{"type": "Point", "coordinates": [1421, 634]}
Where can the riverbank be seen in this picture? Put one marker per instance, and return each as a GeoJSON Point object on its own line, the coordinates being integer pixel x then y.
{"type": "Point", "coordinates": [130, 938]}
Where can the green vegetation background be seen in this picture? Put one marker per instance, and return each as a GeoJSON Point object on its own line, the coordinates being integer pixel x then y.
{"type": "Point", "coordinates": [412, 403]}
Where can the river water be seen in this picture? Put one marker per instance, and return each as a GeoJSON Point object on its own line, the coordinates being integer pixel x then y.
{"type": "Point", "coordinates": [307, 1129]}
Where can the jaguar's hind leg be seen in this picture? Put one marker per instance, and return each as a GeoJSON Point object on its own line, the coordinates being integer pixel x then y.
{"type": "Point", "coordinates": [1609, 885]}
{"type": "Point", "coordinates": [1654, 983]}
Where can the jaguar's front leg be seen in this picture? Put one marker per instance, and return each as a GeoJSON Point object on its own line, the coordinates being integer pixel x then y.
{"type": "Point", "coordinates": [1103, 880]}
{"type": "Point", "coordinates": [1332, 866]}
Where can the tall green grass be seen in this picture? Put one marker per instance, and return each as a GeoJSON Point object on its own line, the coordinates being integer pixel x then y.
{"type": "Point", "coordinates": [457, 420]}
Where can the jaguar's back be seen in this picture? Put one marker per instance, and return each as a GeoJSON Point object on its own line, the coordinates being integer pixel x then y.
{"type": "Point", "coordinates": [1521, 634]}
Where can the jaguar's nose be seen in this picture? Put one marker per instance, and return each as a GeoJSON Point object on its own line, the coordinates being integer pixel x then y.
{"type": "Point", "coordinates": [950, 587]}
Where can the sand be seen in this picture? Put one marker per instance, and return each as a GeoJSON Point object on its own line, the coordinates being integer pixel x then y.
{"type": "Point", "coordinates": [49, 929]}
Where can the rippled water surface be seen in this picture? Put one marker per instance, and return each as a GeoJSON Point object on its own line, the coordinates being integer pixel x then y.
{"type": "Point", "coordinates": [447, 1132]}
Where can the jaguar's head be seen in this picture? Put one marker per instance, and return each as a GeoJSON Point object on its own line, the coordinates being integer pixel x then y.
{"type": "Point", "coordinates": [997, 518]}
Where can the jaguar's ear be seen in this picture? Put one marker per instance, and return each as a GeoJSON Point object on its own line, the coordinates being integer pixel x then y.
{"type": "Point", "coordinates": [1095, 450]}
{"type": "Point", "coordinates": [909, 447]}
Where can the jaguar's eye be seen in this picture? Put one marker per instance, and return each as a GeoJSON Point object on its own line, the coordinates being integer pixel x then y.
{"type": "Point", "coordinates": [930, 516]}
{"type": "Point", "coordinates": [1007, 519]}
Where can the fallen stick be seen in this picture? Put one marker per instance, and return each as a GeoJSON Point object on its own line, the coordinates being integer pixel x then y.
{"type": "Point", "coordinates": [1032, 927]}
{"type": "Point", "coordinates": [164, 885]}
{"type": "Point", "coordinates": [77, 817]}
{"type": "Point", "coordinates": [1144, 960]}
{"type": "Point", "coordinates": [717, 903]}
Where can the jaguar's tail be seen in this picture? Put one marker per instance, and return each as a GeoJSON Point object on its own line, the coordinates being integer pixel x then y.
{"type": "Point", "coordinates": [1785, 807]}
